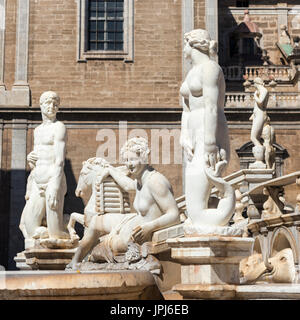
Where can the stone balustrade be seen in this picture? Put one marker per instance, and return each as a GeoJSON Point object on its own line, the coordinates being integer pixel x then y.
{"type": "Point", "coordinates": [277, 99]}
{"type": "Point", "coordinates": [278, 73]}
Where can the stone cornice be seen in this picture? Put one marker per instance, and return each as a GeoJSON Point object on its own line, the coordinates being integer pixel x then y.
{"type": "Point", "coordinates": [237, 116]}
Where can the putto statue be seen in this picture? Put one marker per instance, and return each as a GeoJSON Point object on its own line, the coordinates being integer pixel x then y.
{"type": "Point", "coordinates": [204, 133]}
{"type": "Point", "coordinates": [259, 119]}
{"type": "Point", "coordinates": [46, 186]}
{"type": "Point", "coordinates": [154, 203]}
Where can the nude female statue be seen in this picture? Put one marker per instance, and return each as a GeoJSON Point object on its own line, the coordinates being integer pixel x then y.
{"type": "Point", "coordinates": [259, 116]}
{"type": "Point", "coordinates": [154, 203]}
{"type": "Point", "coordinates": [204, 132]}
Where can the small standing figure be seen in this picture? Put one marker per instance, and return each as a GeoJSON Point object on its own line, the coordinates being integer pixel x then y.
{"type": "Point", "coordinates": [46, 186]}
{"type": "Point", "coordinates": [268, 135]}
{"type": "Point", "coordinates": [259, 118]}
{"type": "Point", "coordinates": [284, 35]}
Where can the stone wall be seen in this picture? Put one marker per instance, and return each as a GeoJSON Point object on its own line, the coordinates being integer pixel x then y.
{"type": "Point", "coordinates": [199, 12]}
{"type": "Point", "coordinates": [151, 81]}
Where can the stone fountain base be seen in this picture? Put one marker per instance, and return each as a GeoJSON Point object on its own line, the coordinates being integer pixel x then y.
{"type": "Point", "coordinates": [209, 265]}
{"type": "Point", "coordinates": [72, 285]}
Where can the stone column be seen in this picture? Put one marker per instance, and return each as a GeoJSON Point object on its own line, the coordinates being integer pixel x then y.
{"type": "Point", "coordinates": [282, 13]}
{"type": "Point", "coordinates": [18, 188]}
{"type": "Point", "coordinates": [187, 25]}
{"type": "Point", "coordinates": [21, 86]}
{"type": "Point", "coordinates": [2, 41]}
{"type": "Point", "coordinates": [211, 19]}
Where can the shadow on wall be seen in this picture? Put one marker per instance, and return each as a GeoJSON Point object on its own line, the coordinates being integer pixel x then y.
{"type": "Point", "coordinates": [4, 216]}
{"type": "Point", "coordinates": [12, 202]}
{"type": "Point", "coordinates": [72, 203]}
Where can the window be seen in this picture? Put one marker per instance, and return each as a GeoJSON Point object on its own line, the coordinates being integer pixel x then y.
{"type": "Point", "coordinates": [242, 3]}
{"type": "Point", "coordinates": [105, 29]}
{"type": "Point", "coordinates": [105, 25]}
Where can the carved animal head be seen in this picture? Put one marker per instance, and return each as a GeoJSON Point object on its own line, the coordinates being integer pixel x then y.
{"type": "Point", "coordinates": [280, 269]}
{"type": "Point", "coordinates": [90, 169]}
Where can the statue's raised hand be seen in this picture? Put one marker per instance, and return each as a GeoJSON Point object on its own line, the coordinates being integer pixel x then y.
{"type": "Point", "coordinates": [215, 160]}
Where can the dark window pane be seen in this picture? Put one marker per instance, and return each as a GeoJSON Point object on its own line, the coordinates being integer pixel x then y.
{"type": "Point", "coordinates": [119, 45]}
{"type": "Point", "coordinates": [93, 46]}
{"type": "Point", "coordinates": [100, 46]}
{"type": "Point", "coordinates": [93, 14]}
{"type": "Point", "coordinates": [100, 36]}
{"type": "Point", "coordinates": [101, 6]}
{"type": "Point", "coordinates": [119, 14]}
{"type": "Point", "coordinates": [119, 5]}
{"type": "Point", "coordinates": [111, 14]}
{"type": "Point", "coordinates": [111, 5]}
{"type": "Point", "coordinates": [93, 4]}
{"type": "Point", "coordinates": [111, 36]}
{"type": "Point", "coordinates": [119, 36]}
{"type": "Point", "coordinates": [92, 36]}
{"type": "Point", "coordinates": [100, 25]}
{"type": "Point", "coordinates": [119, 26]}
{"type": "Point", "coordinates": [110, 46]}
{"type": "Point", "coordinates": [92, 25]}
{"type": "Point", "coordinates": [101, 14]}
{"type": "Point", "coordinates": [110, 25]}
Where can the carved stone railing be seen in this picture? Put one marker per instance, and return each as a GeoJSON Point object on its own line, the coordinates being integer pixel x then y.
{"type": "Point", "coordinates": [277, 99]}
{"type": "Point", "coordinates": [277, 73]}
{"type": "Point", "coordinates": [238, 99]}
{"type": "Point", "coordinates": [273, 190]}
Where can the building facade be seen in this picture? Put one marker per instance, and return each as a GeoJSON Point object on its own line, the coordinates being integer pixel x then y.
{"type": "Point", "coordinates": [117, 67]}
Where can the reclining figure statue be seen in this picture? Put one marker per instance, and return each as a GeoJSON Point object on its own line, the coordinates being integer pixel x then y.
{"type": "Point", "coordinates": [120, 233]}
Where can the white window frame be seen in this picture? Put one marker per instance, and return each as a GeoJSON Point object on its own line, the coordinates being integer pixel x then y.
{"type": "Point", "coordinates": [127, 54]}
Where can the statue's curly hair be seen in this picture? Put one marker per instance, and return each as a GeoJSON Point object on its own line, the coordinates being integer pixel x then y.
{"type": "Point", "coordinates": [200, 39]}
{"type": "Point", "coordinates": [139, 145]}
{"type": "Point", "coordinates": [47, 94]}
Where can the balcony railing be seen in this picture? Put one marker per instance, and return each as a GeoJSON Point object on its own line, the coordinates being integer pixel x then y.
{"type": "Point", "coordinates": [276, 99]}
{"type": "Point", "coordinates": [277, 73]}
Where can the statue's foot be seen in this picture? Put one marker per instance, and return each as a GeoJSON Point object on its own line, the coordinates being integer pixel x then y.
{"type": "Point", "coordinates": [73, 265]}
{"type": "Point", "coordinates": [41, 233]}
{"type": "Point", "coordinates": [57, 243]}
{"type": "Point", "coordinates": [74, 238]}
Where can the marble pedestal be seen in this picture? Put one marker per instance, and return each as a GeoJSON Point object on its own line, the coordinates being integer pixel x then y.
{"type": "Point", "coordinates": [37, 257]}
{"type": "Point", "coordinates": [209, 265]}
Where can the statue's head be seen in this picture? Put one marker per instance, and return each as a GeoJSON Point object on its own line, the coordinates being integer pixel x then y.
{"type": "Point", "coordinates": [200, 39]}
{"type": "Point", "coordinates": [135, 154]}
{"type": "Point", "coordinates": [258, 82]}
{"type": "Point", "coordinates": [49, 103]}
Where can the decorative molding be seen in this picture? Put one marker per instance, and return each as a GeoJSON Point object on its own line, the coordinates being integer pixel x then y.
{"type": "Point", "coordinates": [22, 43]}
{"type": "Point", "coordinates": [260, 11]}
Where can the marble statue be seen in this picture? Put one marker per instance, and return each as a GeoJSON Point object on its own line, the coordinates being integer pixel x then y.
{"type": "Point", "coordinates": [154, 203]}
{"type": "Point", "coordinates": [103, 196]}
{"type": "Point", "coordinates": [284, 37]}
{"type": "Point", "coordinates": [42, 216]}
{"type": "Point", "coordinates": [268, 136]}
{"type": "Point", "coordinates": [204, 133]}
{"type": "Point", "coordinates": [278, 269]}
{"type": "Point", "coordinates": [259, 119]}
